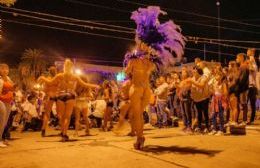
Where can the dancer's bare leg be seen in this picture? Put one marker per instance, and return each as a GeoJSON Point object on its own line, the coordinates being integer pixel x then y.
{"type": "Point", "coordinates": [107, 118]}
{"type": "Point", "coordinates": [69, 105]}
{"type": "Point", "coordinates": [136, 109]}
{"type": "Point", "coordinates": [77, 119]}
{"type": "Point", "coordinates": [85, 116]}
{"type": "Point", "coordinates": [132, 133]}
{"type": "Point", "coordinates": [61, 113]}
{"type": "Point", "coordinates": [123, 112]}
{"type": "Point", "coordinates": [46, 116]}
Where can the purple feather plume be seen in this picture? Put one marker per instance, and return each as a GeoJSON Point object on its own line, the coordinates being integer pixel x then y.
{"type": "Point", "coordinates": [165, 38]}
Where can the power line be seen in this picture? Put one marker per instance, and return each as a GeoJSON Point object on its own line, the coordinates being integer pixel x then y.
{"type": "Point", "coordinates": [69, 30]}
{"type": "Point", "coordinates": [109, 25]}
{"type": "Point", "coordinates": [221, 44]}
{"type": "Point", "coordinates": [213, 52]}
{"type": "Point", "coordinates": [96, 34]}
{"type": "Point", "coordinates": [198, 24]}
{"type": "Point", "coordinates": [225, 40]}
{"type": "Point", "coordinates": [193, 13]}
{"type": "Point", "coordinates": [114, 30]}
{"type": "Point", "coordinates": [72, 24]}
{"type": "Point", "coordinates": [225, 28]}
{"type": "Point", "coordinates": [67, 18]}
{"type": "Point", "coordinates": [95, 5]}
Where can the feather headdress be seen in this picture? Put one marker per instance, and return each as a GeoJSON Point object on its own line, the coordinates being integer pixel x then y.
{"type": "Point", "coordinates": [162, 42]}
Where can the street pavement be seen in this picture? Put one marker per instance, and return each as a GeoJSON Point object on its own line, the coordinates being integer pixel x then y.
{"type": "Point", "coordinates": [164, 148]}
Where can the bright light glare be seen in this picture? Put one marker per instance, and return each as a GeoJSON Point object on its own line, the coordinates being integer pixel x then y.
{"type": "Point", "coordinates": [120, 76]}
{"type": "Point", "coordinates": [37, 86]}
{"type": "Point", "coordinates": [78, 71]}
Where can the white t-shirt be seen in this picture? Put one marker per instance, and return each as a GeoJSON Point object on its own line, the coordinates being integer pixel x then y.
{"type": "Point", "coordinates": [100, 107]}
{"type": "Point", "coordinates": [162, 92]}
{"type": "Point", "coordinates": [30, 108]}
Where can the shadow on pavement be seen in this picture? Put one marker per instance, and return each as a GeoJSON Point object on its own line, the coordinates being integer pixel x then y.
{"type": "Point", "coordinates": [157, 149]}
{"type": "Point", "coordinates": [53, 135]}
{"type": "Point", "coordinates": [90, 135]}
{"type": "Point", "coordinates": [13, 139]}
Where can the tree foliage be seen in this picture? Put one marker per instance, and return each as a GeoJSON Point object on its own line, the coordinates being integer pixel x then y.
{"type": "Point", "coordinates": [33, 64]}
{"type": "Point", "coordinates": [7, 2]}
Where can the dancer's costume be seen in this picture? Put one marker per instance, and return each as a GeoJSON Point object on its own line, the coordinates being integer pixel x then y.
{"type": "Point", "coordinates": [156, 44]}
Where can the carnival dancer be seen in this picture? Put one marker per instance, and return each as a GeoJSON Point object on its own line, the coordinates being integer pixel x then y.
{"type": "Point", "coordinates": [124, 108]}
{"type": "Point", "coordinates": [108, 96]}
{"type": "Point", "coordinates": [6, 97]}
{"type": "Point", "coordinates": [155, 44]}
{"type": "Point", "coordinates": [67, 82]}
{"type": "Point", "coordinates": [81, 107]}
{"type": "Point", "coordinates": [51, 93]}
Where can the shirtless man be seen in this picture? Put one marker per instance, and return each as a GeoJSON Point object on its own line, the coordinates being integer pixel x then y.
{"type": "Point", "coordinates": [67, 82]}
{"type": "Point", "coordinates": [51, 92]}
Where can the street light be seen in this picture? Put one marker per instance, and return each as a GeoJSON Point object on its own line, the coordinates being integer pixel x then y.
{"type": "Point", "coordinates": [218, 10]}
{"type": "Point", "coordinates": [78, 71]}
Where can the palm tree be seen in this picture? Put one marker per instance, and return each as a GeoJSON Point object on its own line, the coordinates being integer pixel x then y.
{"type": "Point", "coordinates": [7, 2]}
{"type": "Point", "coordinates": [33, 64]}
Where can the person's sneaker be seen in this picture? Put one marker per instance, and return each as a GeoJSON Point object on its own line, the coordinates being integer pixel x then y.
{"type": "Point", "coordinates": [205, 131]}
{"type": "Point", "coordinates": [250, 123]}
{"type": "Point", "coordinates": [233, 123]}
{"type": "Point", "coordinates": [2, 145]}
{"type": "Point", "coordinates": [197, 130]}
{"type": "Point", "coordinates": [243, 123]}
{"type": "Point", "coordinates": [6, 142]}
{"type": "Point", "coordinates": [184, 129]}
{"type": "Point", "coordinates": [188, 130]}
{"type": "Point", "coordinates": [219, 133]}
{"type": "Point", "coordinates": [213, 132]}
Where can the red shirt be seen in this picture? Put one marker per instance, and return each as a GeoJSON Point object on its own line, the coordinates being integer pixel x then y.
{"type": "Point", "coordinates": [7, 92]}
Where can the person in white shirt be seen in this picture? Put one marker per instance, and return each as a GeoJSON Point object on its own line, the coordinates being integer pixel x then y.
{"type": "Point", "coordinates": [161, 93]}
{"type": "Point", "coordinates": [252, 92]}
{"type": "Point", "coordinates": [31, 116]}
{"type": "Point", "coordinates": [99, 108]}
{"type": "Point", "coordinates": [200, 95]}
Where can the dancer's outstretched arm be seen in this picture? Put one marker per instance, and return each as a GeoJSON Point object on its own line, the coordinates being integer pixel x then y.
{"type": "Point", "coordinates": [52, 81]}
{"type": "Point", "coordinates": [87, 85]}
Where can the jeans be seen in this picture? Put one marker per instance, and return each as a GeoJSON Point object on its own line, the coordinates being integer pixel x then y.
{"type": "Point", "coordinates": [252, 98]}
{"type": "Point", "coordinates": [4, 115]}
{"type": "Point", "coordinates": [7, 130]}
{"type": "Point", "coordinates": [220, 114]}
{"type": "Point", "coordinates": [203, 108]}
{"type": "Point", "coordinates": [186, 113]}
{"type": "Point", "coordinates": [161, 113]}
{"type": "Point", "coordinates": [170, 104]}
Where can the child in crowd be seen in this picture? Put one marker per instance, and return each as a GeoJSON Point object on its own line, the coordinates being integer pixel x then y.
{"type": "Point", "coordinates": [218, 104]}
{"type": "Point", "coordinates": [31, 116]}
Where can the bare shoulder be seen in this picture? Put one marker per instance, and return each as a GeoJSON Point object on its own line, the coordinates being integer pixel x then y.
{"type": "Point", "coordinates": [59, 76]}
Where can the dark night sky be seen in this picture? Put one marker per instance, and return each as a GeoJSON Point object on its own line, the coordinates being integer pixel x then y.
{"type": "Point", "coordinates": [18, 37]}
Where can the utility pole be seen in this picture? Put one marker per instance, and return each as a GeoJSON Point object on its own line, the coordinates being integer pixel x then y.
{"type": "Point", "coordinates": [218, 11]}
{"type": "Point", "coordinates": [204, 51]}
